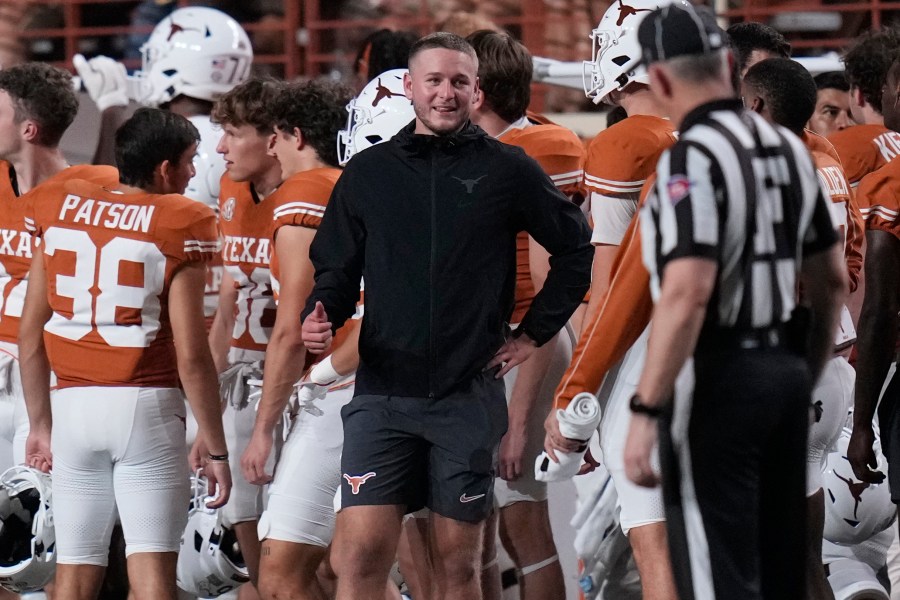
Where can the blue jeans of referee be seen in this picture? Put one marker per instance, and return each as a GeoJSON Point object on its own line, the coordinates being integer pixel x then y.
{"type": "Point", "coordinates": [733, 457]}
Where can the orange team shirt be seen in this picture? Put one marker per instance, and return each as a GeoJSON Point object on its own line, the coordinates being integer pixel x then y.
{"type": "Point", "coordinates": [864, 149]}
{"type": "Point", "coordinates": [110, 259]}
{"type": "Point", "coordinates": [15, 240]}
{"type": "Point", "coordinates": [625, 311]}
{"type": "Point", "coordinates": [819, 143]}
{"type": "Point", "coordinates": [561, 155]}
{"type": "Point", "coordinates": [879, 199]}
{"type": "Point", "coordinates": [245, 222]}
{"type": "Point", "coordinates": [301, 202]}
{"type": "Point", "coordinates": [845, 210]}
{"type": "Point", "coordinates": [619, 160]}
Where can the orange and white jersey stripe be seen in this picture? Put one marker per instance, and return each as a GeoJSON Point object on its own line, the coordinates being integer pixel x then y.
{"type": "Point", "coordinates": [864, 149]}
{"type": "Point", "coordinates": [110, 259]}
{"type": "Point", "coordinates": [879, 199]}
{"type": "Point", "coordinates": [561, 155]}
{"type": "Point", "coordinates": [618, 162]}
{"type": "Point", "coordinates": [300, 202]}
{"type": "Point", "coordinates": [16, 243]}
{"type": "Point", "coordinates": [245, 221]}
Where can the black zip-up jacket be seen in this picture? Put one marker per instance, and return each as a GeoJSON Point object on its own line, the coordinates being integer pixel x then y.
{"type": "Point", "coordinates": [430, 223]}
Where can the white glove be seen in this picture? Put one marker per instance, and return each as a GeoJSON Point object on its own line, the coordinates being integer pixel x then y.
{"type": "Point", "coordinates": [105, 80]}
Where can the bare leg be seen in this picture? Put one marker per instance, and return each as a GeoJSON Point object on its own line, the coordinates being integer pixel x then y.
{"type": "Point", "coordinates": [414, 557]}
{"type": "Point", "coordinates": [457, 557]}
{"type": "Point", "coordinates": [250, 548]}
{"type": "Point", "coordinates": [491, 587]}
{"type": "Point", "coordinates": [78, 582]}
{"type": "Point", "coordinates": [287, 571]}
{"type": "Point", "coordinates": [651, 555]}
{"type": "Point", "coordinates": [526, 535]}
{"type": "Point", "coordinates": [152, 575]}
{"type": "Point", "coordinates": [365, 543]}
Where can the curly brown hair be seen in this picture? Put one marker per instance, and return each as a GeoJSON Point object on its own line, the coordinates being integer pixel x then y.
{"type": "Point", "coordinates": [249, 103]}
{"type": "Point", "coordinates": [868, 60]}
{"type": "Point", "coordinates": [318, 109]}
{"type": "Point", "coordinates": [44, 94]}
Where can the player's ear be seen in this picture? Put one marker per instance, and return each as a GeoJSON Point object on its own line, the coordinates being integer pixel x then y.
{"type": "Point", "coordinates": [29, 130]}
{"type": "Point", "coordinates": [755, 103]}
{"type": "Point", "coordinates": [477, 99]}
{"type": "Point", "coordinates": [659, 81]}
{"type": "Point", "coordinates": [163, 173]}
{"type": "Point", "coordinates": [407, 85]}
{"type": "Point", "coordinates": [301, 141]}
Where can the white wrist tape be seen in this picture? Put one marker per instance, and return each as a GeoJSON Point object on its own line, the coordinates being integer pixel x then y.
{"type": "Point", "coordinates": [323, 373]}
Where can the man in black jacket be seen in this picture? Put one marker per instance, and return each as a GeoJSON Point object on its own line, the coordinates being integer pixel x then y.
{"type": "Point", "coordinates": [429, 219]}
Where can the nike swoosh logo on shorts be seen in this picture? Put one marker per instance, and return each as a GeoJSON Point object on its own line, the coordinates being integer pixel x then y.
{"type": "Point", "coordinates": [465, 498]}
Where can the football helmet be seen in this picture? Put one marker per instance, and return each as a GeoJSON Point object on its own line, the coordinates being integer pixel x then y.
{"type": "Point", "coordinates": [615, 50]}
{"type": "Point", "coordinates": [209, 561]}
{"type": "Point", "coordinates": [854, 511]}
{"type": "Point", "coordinates": [196, 51]}
{"type": "Point", "coordinates": [379, 111]}
{"type": "Point", "coordinates": [27, 536]}
{"type": "Point", "coordinates": [209, 165]}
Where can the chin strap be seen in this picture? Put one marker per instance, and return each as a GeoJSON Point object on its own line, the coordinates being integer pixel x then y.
{"type": "Point", "coordinates": [537, 566]}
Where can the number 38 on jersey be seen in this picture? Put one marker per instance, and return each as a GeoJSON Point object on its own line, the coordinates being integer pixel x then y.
{"type": "Point", "coordinates": [114, 289]}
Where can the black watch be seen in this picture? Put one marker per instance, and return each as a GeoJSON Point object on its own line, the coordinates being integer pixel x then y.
{"type": "Point", "coordinates": [637, 406]}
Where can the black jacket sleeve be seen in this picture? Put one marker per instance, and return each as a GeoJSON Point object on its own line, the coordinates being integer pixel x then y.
{"type": "Point", "coordinates": [561, 228]}
{"type": "Point", "coordinates": [337, 253]}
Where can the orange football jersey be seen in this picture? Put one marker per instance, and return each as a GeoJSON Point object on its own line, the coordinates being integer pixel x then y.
{"type": "Point", "coordinates": [624, 313]}
{"type": "Point", "coordinates": [844, 210]}
{"type": "Point", "coordinates": [561, 155]}
{"type": "Point", "coordinates": [879, 198]}
{"type": "Point", "coordinates": [301, 201]}
{"type": "Point", "coordinates": [15, 240]}
{"type": "Point", "coordinates": [819, 143]}
{"type": "Point", "coordinates": [110, 259]}
{"type": "Point", "coordinates": [864, 149]}
{"type": "Point", "coordinates": [246, 225]}
{"type": "Point", "coordinates": [618, 162]}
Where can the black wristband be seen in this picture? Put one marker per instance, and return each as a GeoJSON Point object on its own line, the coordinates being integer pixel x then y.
{"type": "Point", "coordinates": [637, 406]}
{"type": "Point", "coordinates": [218, 457]}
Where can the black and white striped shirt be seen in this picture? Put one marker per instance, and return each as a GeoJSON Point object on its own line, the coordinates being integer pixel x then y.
{"type": "Point", "coordinates": [726, 161]}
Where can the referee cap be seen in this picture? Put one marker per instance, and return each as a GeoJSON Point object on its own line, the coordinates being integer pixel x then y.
{"type": "Point", "coordinates": [679, 30]}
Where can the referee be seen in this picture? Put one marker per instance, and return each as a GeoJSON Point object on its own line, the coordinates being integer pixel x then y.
{"type": "Point", "coordinates": [735, 214]}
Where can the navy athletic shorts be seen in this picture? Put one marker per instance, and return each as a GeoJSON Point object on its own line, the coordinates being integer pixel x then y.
{"type": "Point", "coordinates": [425, 452]}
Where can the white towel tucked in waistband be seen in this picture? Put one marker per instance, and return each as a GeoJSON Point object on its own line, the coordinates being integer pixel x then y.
{"type": "Point", "coordinates": [233, 383]}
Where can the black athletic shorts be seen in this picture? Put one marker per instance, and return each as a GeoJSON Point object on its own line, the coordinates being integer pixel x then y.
{"type": "Point", "coordinates": [422, 452]}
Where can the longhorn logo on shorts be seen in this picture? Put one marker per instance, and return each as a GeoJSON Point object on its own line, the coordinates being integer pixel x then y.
{"type": "Point", "coordinates": [356, 481]}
